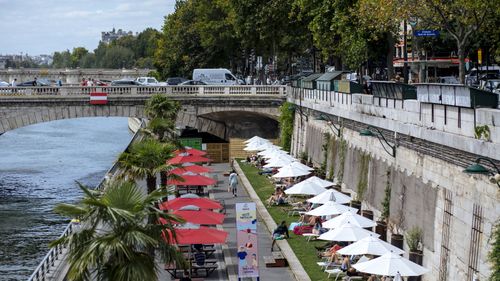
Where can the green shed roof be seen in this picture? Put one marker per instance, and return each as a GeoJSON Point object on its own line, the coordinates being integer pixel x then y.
{"type": "Point", "coordinates": [312, 77]}
{"type": "Point", "coordinates": [329, 76]}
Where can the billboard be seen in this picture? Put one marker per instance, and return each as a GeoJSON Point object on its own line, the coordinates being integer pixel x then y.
{"type": "Point", "coordinates": [246, 239]}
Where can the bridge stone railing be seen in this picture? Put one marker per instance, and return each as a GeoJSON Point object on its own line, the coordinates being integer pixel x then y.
{"type": "Point", "coordinates": [146, 90]}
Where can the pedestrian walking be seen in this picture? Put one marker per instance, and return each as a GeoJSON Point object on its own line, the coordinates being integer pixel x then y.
{"type": "Point", "coordinates": [14, 83]}
{"type": "Point", "coordinates": [233, 182]}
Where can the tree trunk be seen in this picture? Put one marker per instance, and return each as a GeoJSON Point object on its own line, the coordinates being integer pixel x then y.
{"type": "Point", "coordinates": [461, 66]}
{"type": "Point", "coordinates": [151, 183]}
{"type": "Point", "coordinates": [390, 56]}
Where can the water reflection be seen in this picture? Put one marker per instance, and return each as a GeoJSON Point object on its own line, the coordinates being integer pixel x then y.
{"type": "Point", "coordinates": [38, 168]}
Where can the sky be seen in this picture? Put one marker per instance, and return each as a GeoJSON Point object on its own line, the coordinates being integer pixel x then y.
{"type": "Point", "coordinates": [45, 26]}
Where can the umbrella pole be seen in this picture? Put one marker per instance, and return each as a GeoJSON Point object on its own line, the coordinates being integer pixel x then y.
{"type": "Point", "coordinates": [189, 261]}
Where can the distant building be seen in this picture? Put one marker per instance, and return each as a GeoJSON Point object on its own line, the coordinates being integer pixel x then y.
{"type": "Point", "coordinates": [108, 36]}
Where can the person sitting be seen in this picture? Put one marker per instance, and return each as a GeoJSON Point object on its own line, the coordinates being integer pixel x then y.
{"type": "Point", "coordinates": [331, 252]}
{"type": "Point", "coordinates": [318, 226]}
{"type": "Point", "coordinates": [280, 233]}
{"type": "Point", "coordinates": [346, 263]}
{"type": "Point", "coordinates": [199, 258]}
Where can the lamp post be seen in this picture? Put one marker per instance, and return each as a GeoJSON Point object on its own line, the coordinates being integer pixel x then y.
{"type": "Point", "coordinates": [380, 137]}
{"type": "Point", "coordinates": [480, 169]}
{"type": "Point", "coordinates": [331, 125]}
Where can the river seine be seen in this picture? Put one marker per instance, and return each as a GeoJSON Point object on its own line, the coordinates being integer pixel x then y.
{"type": "Point", "coordinates": [39, 165]}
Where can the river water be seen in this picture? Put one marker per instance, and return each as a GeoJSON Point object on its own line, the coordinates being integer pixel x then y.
{"type": "Point", "coordinates": [39, 165]}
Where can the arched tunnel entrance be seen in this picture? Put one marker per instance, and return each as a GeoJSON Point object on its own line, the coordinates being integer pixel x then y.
{"type": "Point", "coordinates": [222, 133]}
{"type": "Point", "coordinates": [244, 125]}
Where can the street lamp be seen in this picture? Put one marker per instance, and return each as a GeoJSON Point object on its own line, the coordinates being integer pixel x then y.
{"type": "Point", "coordinates": [329, 122]}
{"type": "Point", "coordinates": [369, 133]}
{"type": "Point", "coordinates": [298, 109]}
{"type": "Point", "coordinates": [477, 168]}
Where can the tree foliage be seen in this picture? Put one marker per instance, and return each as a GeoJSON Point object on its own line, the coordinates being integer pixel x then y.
{"type": "Point", "coordinates": [287, 115]}
{"type": "Point", "coordinates": [114, 243]}
{"type": "Point", "coordinates": [127, 51]}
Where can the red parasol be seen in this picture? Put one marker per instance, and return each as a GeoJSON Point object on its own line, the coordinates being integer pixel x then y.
{"type": "Point", "coordinates": [193, 168]}
{"type": "Point", "coordinates": [202, 235]}
{"type": "Point", "coordinates": [192, 180]}
{"type": "Point", "coordinates": [190, 151]}
{"type": "Point", "coordinates": [184, 157]}
{"type": "Point", "coordinates": [202, 203]}
{"type": "Point", "coordinates": [204, 217]}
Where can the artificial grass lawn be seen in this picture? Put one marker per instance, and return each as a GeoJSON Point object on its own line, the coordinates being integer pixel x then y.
{"type": "Point", "coordinates": [305, 252]}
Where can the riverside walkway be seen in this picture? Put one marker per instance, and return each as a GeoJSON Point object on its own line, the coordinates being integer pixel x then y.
{"type": "Point", "coordinates": [226, 254]}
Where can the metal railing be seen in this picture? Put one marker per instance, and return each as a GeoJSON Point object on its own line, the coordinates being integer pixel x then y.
{"type": "Point", "coordinates": [48, 262]}
{"type": "Point", "coordinates": [145, 90]}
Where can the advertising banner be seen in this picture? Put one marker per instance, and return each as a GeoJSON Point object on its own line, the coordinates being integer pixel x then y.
{"type": "Point", "coordinates": [246, 239]}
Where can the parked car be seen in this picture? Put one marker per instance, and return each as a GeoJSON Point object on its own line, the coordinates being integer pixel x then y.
{"type": "Point", "coordinates": [124, 82]}
{"type": "Point", "coordinates": [491, 85]}
{"type": "Point", "coordinates": [149, 81]}
{"type": "Point", "coordinates": [448, 80]}
{"type": "Point", "coordinates": [215, 76]}
{"type": "Point", "coordinates": [32, 83]}
{"type": "Point", "coordinates": [175, 80]}
{"type": "Point", "coordinates": [474, 76]}
{"type": "Point", "coordinates": [193, 82]}
{"type": "Point", "coordinates": [4, 84]}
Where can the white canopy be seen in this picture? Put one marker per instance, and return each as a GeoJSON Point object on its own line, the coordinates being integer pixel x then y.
{"type": "Point", "coordinates": [305, 188]}
{"type": "Point", "coordinates": [316, 181]}
{"type": "Point", "coordinates": [297, 164]}
{"type": "Point", "coordinates": [391, 264]}
{"type": "Point", "coordinates": [289, 171]}
{"type": "Point", "coordinates": [254, 139]}
{"type": "Point", "coordinates": [277, 163]}
{"type": "Point", "coordinates": [351, 218]}
{"type": "Point", "coordinates": [331, 208]}
{"type": "Point", "coordinates": [259, 145]}
{"type": "Point", "coordinates": [330, 195]}
{"type": "Point", "coordinates": [370, 246]}
{"type": "Point", "coordinates": [347, 232]}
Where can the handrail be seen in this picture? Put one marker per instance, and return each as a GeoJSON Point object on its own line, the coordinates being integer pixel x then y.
{"type": "Point", "coordinates": [48, 261]}
{"type": "Point", "coordinates": [145, 90]}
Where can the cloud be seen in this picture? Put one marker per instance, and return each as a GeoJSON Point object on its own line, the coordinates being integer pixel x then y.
{"type": "Point", "coordinates": [38, 26]}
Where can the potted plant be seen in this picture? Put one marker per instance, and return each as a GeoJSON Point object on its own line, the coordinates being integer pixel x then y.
{"type": "Point", "coordinates": [414, 242]}
{"type": "Point", "coordinates": [381, 228]}
{"type": "Point", "coordinates": [396, 238]}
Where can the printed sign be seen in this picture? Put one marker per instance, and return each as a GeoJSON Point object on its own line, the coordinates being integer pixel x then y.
{"type": "Point", "coordinates": [426, 33]}
{"type": "Point", "coordinates": [246, 238]}
{"type": "Point", "coordinates": [98, 98]}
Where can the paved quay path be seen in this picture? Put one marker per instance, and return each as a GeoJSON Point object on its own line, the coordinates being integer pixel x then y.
{"type": "Point", "coordinates": [226, 254]}
{"type": "Point", "coordinates": [264, 237]}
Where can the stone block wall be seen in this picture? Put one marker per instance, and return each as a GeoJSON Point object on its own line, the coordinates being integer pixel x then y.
{"type": "Point", "coordinates": [418, 184]}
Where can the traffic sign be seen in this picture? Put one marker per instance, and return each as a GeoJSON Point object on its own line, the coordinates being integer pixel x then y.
{"type": "Point", "coordinates": [426, 33]}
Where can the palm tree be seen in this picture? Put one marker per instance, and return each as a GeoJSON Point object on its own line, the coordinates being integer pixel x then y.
{"type": "Point", "coordinates": [115, 242]}
{"type": "Point", "coordinates": [162, 112]}
{"type": "Point", "coordinates": [145, 159]}
{"type": "Point", "coordinates": [161, 106]}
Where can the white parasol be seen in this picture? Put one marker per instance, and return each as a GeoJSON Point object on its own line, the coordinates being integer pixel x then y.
{"type": "Point", "coordinates": [353, 219]}
{"type": "Point", "coordinates": [348, 233]}
{"type": "Point", "coordinates": [330, 208]}
{"type": "Point", "coordinates": [370, 246]}
{"type": "Point", "coordinates": [391, 264]}
{"type": "Point", "coordinates": [330, 195]}
{"type": "Point", "coordinates": [290, 171]}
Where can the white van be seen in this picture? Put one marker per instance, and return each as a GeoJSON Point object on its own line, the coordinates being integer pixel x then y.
{"type": "Point", "coordinates": [215, 76]}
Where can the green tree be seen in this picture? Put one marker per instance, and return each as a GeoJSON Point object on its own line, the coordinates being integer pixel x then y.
{"type": "Point", "coordinates": [117, 57]}
{"type": "Point", "coordinates": [145, 159]}
{"type": "Point", "coordinates": [114, 242]}
{"type": "Point", "coordinates": [61, 59]}
{"type": "Point", "coordinates": [77, 54]}
{"type": "Point", "coordinates": [461, 19]}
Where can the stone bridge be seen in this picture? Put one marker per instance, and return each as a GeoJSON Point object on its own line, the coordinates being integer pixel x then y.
{"type": "Point", "coordinates": [236, 111]}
